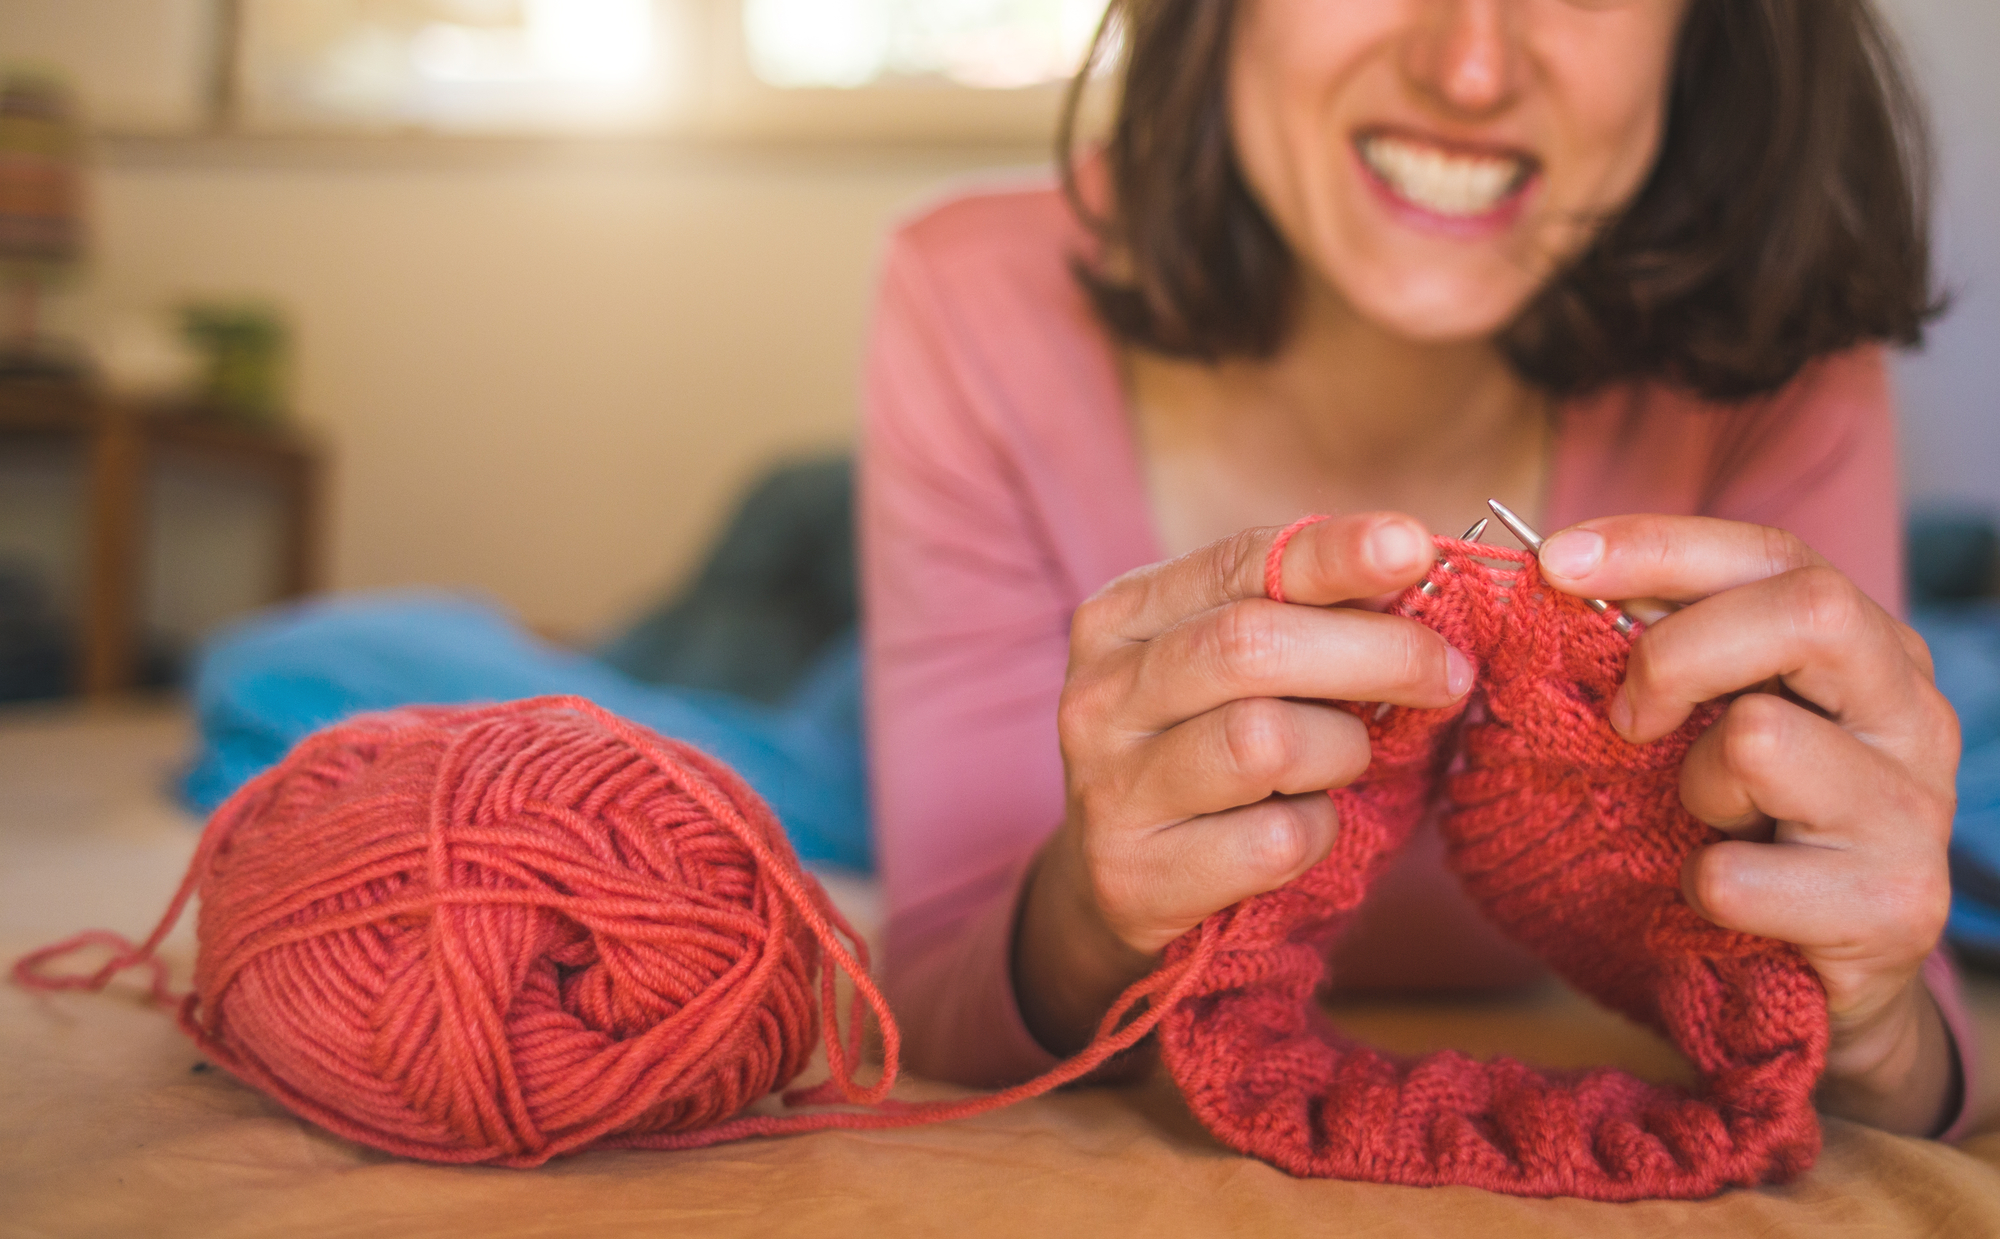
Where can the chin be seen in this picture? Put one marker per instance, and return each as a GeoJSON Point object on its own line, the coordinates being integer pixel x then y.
{"type": "Point", "coordinates": [1418, 306]}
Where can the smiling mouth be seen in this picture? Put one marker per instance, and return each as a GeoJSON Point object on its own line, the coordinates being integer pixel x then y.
{"type": "Point", "coordinates": [1453, 183]}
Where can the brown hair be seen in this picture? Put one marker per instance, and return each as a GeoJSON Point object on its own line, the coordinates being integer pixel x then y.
{"type": "Point", "coordinates": [1786, 216]}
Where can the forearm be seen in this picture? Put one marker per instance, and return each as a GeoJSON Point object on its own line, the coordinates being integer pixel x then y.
{"type": "Point", "coordinates": [1898, 1071]}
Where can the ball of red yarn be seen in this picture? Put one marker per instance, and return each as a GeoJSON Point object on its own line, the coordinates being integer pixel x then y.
{"type": "Point", "coordinates": [497, 934]}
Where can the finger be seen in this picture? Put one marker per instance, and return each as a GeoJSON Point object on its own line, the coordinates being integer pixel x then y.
{"type": "Point", "coordinates": [1213, 861]}
{"type": "Point", "coordinates": [1268, 649]}
{"type": "Point", "coordinates": [1767, 760]}
{"type": "Point", "coordinates": [1837, 904]}
{"type": "Point", "coordinates": [1811, 627]}
{"type": "Point", "coordinates": [1677, 558]}
{"type": "Point", "coordinates": [1244, 752]}
{"type": "Point", "coordinates": [1336, 560]}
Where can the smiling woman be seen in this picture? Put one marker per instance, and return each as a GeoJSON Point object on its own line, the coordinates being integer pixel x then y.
{"type": "Point", "coordinates": [1387, 261]}
{"type": "Point", "coordinates": [1726, 190]}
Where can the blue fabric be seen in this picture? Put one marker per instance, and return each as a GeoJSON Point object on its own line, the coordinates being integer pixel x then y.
{"type": "Point", "coordinates": [266, 683]}
{"type": "Point", "coordinates": [1965, 642]}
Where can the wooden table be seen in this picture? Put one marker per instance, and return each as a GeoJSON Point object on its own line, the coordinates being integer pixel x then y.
{"type": "Point", "coordinates": [122, 439]}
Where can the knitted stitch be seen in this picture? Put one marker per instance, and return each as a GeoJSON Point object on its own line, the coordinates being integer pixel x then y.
{"type": "Point", "coordinates": [1572, 841]}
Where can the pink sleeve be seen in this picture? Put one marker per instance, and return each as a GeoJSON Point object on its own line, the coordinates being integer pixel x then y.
{"type": "Point", "coordinates": [1824, 467]}
{"type": "Point", "coordinates": [967, 629]}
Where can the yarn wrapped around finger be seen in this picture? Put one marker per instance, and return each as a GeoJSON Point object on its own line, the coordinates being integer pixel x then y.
{"type": "Point", "coordinates": [1572, 840]}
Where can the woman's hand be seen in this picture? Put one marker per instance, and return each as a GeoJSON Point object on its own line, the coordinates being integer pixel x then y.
{"type": "Point", "coordinates": [1838, 794]}
{"type": "Point", "coordinates": [1197, 743]}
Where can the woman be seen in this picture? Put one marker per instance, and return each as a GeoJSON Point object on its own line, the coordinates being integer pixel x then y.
{"type": "Point", "coordinates": [1383, 261]}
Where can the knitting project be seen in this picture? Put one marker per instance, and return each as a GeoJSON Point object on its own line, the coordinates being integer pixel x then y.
{"type": "Point", "coordinates": [498, 934]}
{"type": "Point", "coordinates": [1572, 841]}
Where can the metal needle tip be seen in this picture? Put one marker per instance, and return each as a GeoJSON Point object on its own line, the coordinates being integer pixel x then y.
{"type": "Point", "coordinates": [1516, 526]}
{"type": "Point", "coordinates": [1430, 589]}
{"type": "Point", "coordinates": [1533, 541]}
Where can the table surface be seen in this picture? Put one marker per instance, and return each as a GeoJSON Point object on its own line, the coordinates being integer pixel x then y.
{"type": "Point", "coordinates": [109, 1126]}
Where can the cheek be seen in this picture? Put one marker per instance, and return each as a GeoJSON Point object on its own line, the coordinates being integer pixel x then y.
{"type": "Point", "coordinates": [1611, 96]}
{"type": "Point", "coordinates": [1290, 63]}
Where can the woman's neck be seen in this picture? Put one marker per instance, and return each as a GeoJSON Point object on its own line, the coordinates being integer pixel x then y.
{"type": "Point", "coordinates": [1345, 416]}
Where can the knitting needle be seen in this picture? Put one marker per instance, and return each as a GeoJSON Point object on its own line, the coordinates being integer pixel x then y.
{"type": "Point", "coordinates": [1430, 589]}
{"type": "Point", "coordinates": [1651, 610]}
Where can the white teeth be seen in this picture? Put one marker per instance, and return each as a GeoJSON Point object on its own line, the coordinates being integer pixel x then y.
{"type": "Point", "coordinates": [1442, 182]}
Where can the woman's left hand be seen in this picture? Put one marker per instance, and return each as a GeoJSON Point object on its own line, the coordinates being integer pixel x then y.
{"type": "Point", "coordinates": [1838, 794]}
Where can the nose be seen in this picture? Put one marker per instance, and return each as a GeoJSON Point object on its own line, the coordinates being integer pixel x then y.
{"type": "Point", "coordinates": [1465, 55]}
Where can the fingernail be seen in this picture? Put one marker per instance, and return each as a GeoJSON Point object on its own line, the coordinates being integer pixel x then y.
{"type": "Point", "coordinates": [1395, 547]}
{"type": "Point", "coordinates": [1620, 712]}
{"type": "Point", "coordinates": [1458, 672]}
{"type": "Point", "coordinates": [1574, 553]}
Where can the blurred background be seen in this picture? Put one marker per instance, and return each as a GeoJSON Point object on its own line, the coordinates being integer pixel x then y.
{"type": "Point", "coordinates": [518, 295]}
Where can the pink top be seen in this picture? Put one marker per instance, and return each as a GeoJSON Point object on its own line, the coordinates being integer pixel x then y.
{"type": "Point", "coordinates": [1001, 486]}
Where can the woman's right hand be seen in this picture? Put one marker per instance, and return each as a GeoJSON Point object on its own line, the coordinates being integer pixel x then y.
{"type": "Point", "coordinates": [1198, 742]}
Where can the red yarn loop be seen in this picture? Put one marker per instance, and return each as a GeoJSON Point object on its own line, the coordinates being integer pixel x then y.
{"type": "Point", "coordinates": [1274, 559]}
{"type": "Point", "coordinates": [497, 934]}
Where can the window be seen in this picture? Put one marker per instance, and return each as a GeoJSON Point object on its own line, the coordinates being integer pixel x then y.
{"type": "Point", "coordinates": [926, 70]}
{"type": "Point", "coordinates": [994, 44]}
{"type": "Point", "coordinates": [464, 65]}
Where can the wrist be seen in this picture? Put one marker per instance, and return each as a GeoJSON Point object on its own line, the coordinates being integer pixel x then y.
{"type": "Point", "coordinates": [1896, 1069]}
{"type": "Point", "coordinates": [1069, 966]}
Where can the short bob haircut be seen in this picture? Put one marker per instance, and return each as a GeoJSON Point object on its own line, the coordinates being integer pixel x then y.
{"type": "Point", "coordinates": [1786, 217]}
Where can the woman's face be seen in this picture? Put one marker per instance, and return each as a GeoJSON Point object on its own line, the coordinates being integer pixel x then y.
{"type": "Point", "coordinates": [1432, 162]}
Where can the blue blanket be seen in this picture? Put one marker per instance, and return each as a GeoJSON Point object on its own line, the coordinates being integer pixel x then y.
{"type": "Point", "coordinates": [266, 683]}
{"type": "Point", "coordinates": [1965, 642]}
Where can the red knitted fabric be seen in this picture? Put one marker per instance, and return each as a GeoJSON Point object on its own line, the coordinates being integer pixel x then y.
{"type": "Point", "coordinates": [1573, 841]}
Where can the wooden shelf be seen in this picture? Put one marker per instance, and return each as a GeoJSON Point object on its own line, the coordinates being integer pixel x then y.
{"type": "Point", "coordinates": [121, 440]}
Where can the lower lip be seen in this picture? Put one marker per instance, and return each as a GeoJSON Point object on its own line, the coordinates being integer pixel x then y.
{"type": "Point", "coordinates": [1498, 218]}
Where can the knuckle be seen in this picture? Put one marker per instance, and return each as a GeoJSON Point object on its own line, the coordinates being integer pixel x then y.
{"type": "Point", "coordinates": [1919, 651]}
{"type": "Point", "coordinates": [1827, 603]}
{"type": "Point", "coordinates": [1784, 552]}
{"type": "Point", "coordinates": [1098, 613]}
{"type": "Point", "coordinates": [1754, 734]}
{"type": "Point", "coordinates": [1114, 887]}
{"type": "Point", "coordinates": [1238, 565]}
{"type": "Point", "coordinates": [1082, 707]}
{"type": "Point", "coordinates": [1278, 841]}
{"type": "Point", "coordinates": [1245, 643]}
{"type": "Point", "coordinates": [1942, 732]}
{"type": "Point", "coordinates": [1912, 905]}
{"type": "Point", "coordinates": [1258, 739]}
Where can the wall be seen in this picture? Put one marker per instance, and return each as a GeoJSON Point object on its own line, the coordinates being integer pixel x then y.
{"type": "Point", "coordinates": [544, 369]}
{"type": "Point", "coordinates": [1951, 390]}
